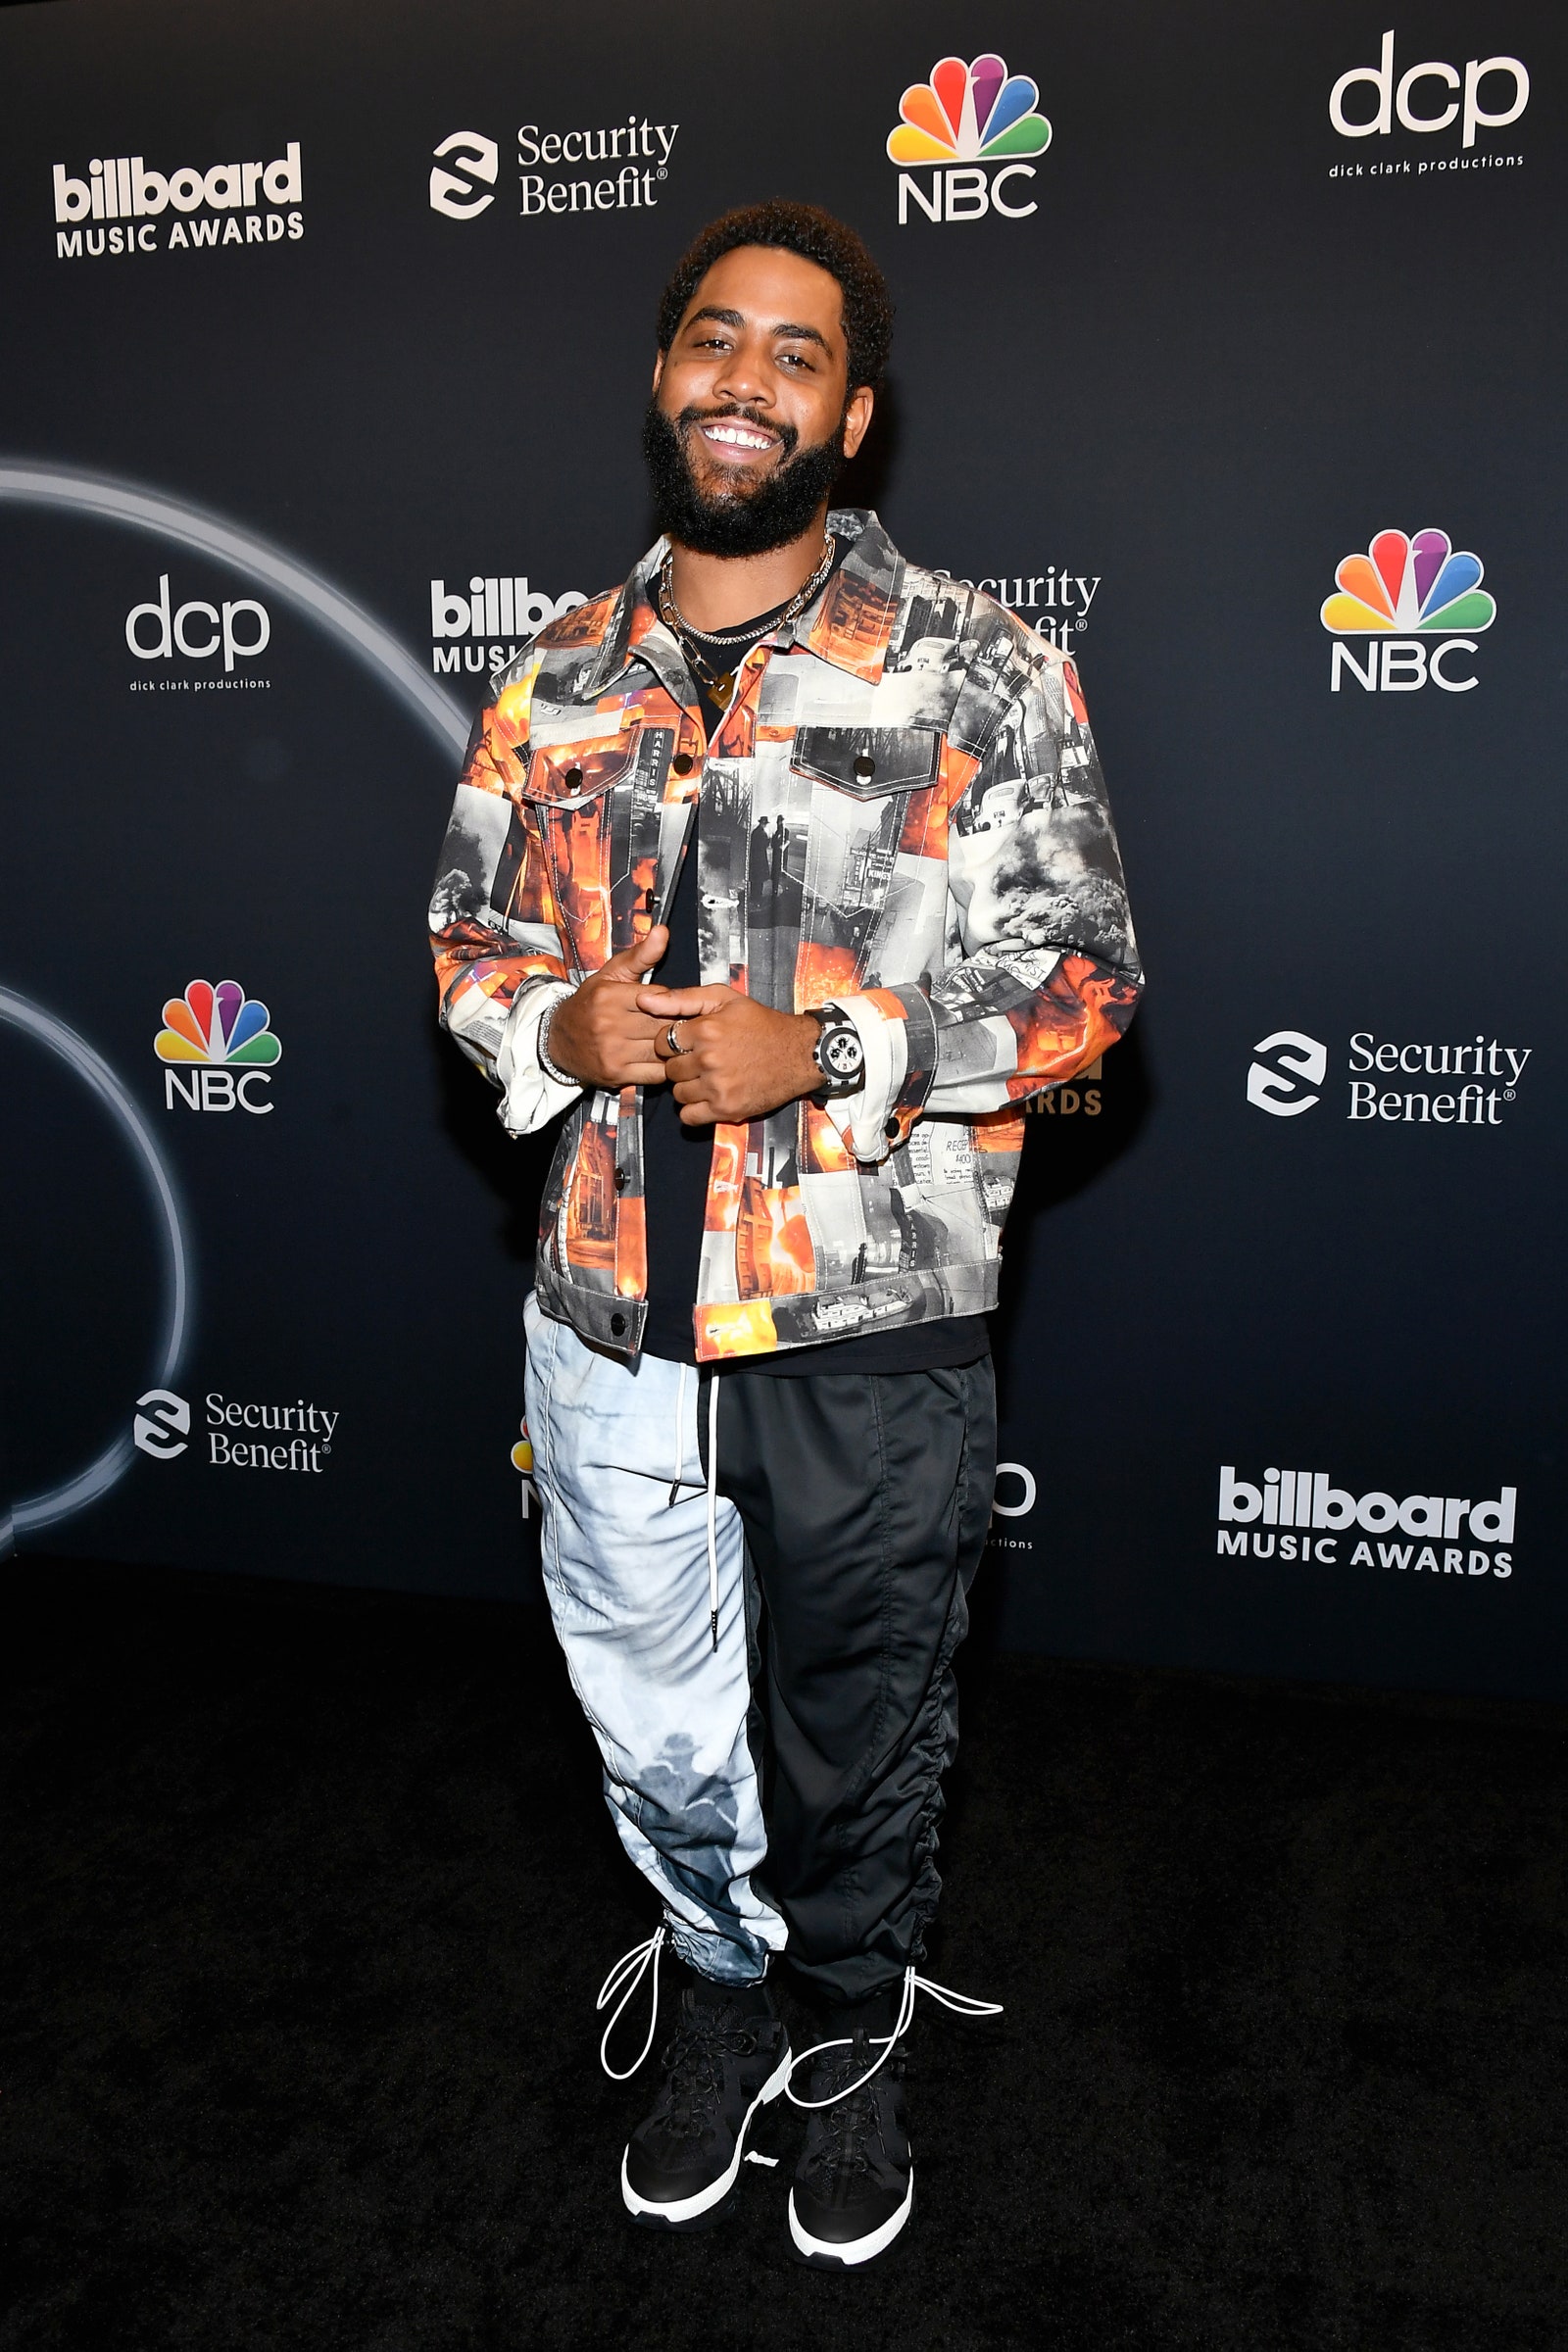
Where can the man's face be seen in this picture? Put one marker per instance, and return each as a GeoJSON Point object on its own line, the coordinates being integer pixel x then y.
{"type": "Point", "coordinates": [749, 421]}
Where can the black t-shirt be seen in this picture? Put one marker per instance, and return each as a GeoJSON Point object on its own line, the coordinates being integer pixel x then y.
{"type": "Point", "coordinates": [677, 1160]}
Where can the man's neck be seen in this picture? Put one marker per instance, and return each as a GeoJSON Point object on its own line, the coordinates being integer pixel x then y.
{"type": "Point", "coordinates": [716, 592]}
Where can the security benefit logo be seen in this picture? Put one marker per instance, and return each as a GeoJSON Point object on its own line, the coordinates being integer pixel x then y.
{"type": "Point", "coordinates": [1432, 99]}
{"type": "Point", "coordinates": [611, 167]}
{"type": "Point", "coordinates": [217, 1049]}
{"type": "Point", "coordinates": [237, 1434]}
{"type": "Point", "coordinates": [971, 126]}
{"type": "Point", "coordinates": [1390, 1081]}
{"type": "Point", "coordinates": [1054, 602]}
{"type": "Point", "coordinates": [189, 634]}
{"type": "Point", "coordinates": [493, 619]}
{"type": "Point", "coordinates": [1407, 614]}
{"type": "Point", "coordinates": [1302, 1515]}
{"type": "Point", "coordinates": [118, 205]}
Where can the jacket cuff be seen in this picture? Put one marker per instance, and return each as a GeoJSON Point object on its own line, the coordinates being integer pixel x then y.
{"type": "Point", "coordinates": [528, 1095]}
{"type": "Point", "coordinates": [897, 1030]}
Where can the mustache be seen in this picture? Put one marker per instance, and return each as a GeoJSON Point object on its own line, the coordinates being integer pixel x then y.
{"type": "Point", "coordinates": [786, 435]}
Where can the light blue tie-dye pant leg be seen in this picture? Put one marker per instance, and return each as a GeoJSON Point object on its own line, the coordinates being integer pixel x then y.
{"type": "Point", "coordinates": [626, 1573]}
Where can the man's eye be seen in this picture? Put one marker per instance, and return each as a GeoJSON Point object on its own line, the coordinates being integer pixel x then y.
{"type": "Point", "coordinates": [794, 359]}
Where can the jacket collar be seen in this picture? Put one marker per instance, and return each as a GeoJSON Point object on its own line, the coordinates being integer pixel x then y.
{"type": "Point", "coordinates": [849, 622]}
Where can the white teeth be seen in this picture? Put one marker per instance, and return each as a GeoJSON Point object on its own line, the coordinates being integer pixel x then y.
{"type": "Point", "coordinates": [737, 439]}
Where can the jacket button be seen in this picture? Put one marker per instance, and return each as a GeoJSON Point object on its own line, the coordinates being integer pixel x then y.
{"type": "Point", "coordinates": [865, 767]}
{"type": "Point", "coordinates": [573, 779]}
{"type": "Point", "coordinates": [620, 1180]}
{"type": "Point", "coordinates": [617, 1324]}
{"type": "Point", "coordinates": [891, 1131]}
{"type": "Point", "coordinates": [651, 894]}
{"type": "Point", "coordinates": [683, 763]}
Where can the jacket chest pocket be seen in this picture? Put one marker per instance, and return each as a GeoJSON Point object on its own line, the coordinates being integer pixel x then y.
{"type": "Point", "coordinates": [870, 787]}
{"type": "Point", "coordinates": [569, 790]}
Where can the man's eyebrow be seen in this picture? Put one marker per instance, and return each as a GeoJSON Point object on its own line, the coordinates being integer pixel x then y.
{"type": "Point", "coordinates": [724, 318]}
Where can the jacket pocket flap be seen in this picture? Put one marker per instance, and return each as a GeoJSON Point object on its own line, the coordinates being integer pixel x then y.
{"type": "Point", "coordinates": [868, 760]}
{"type": "Point", "coordinates": [572, 774]}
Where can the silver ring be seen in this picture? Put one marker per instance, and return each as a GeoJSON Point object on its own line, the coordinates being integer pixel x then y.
{"type": "Point", "coordinates": [670, 1039]}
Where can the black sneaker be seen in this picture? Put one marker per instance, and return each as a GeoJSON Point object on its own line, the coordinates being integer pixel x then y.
{"type": "Point", "coordinates": [725, 2059]}
{"type": "Point", "coordinates": [853, 2187]}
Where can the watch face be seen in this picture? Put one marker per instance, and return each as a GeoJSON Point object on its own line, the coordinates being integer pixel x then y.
{"type": "Point", "coordinates": [842, 1052]}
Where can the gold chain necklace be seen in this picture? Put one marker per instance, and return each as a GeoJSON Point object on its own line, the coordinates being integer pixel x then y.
{"type": "Point", "coordinates": [722, 683]}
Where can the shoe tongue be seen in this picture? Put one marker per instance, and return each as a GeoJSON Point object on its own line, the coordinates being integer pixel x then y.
{"type": "Point", "coordinates": [714, 2005]}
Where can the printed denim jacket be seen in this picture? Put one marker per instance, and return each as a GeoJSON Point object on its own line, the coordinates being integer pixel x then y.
{"type": "Point", "coordinates": [902, 815]}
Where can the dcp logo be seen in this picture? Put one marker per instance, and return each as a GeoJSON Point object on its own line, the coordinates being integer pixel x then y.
{"type": "Point", "coordinates": [1429, 108]}
{"type": "Point", "coordinates": [157, 631]}
{"type": "Point", "coordinates": [450, 191]}
{"type": "Point", "coordinates": [1288, 1065]}
{"type": "Point", "coordinates": [162, 1424]}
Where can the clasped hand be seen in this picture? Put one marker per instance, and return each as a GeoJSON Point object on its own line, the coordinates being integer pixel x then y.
{"type": "Point", "coordinates": [737, 1059]}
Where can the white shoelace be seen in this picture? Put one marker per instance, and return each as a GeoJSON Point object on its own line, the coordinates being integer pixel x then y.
{"type": "Point", "coordinates": [629, 1972]}
{"type": "Point", "coordinates": [961, 2002]}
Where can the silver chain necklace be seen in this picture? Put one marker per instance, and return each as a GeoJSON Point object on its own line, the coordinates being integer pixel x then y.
{"type": "Point", "coordinates": [722, 682]}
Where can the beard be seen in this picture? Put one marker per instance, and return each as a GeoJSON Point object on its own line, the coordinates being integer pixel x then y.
{"type": "Point", "coordinates": [743, 521]}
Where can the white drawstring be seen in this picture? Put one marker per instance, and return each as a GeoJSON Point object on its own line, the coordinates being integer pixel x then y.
{"type": "Point", "coordinates": [680, 1440]}
{"type": "Point", "coordinates": [629, 1970]}
{"type": "Point", "coordinates": [961, 2001]}
{"type": "Point", "coordinates": [712, 1505]}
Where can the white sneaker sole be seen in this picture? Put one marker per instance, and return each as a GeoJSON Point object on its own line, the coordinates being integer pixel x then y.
{"type": "Point", "coordinates": [681, 2212]}
{"type": "Point", "coordinates": [817, 2251]}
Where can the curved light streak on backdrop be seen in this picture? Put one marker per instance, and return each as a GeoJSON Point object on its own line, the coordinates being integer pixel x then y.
{"type": "Point", "coordinates": [75, 1493]}
{"type": "Point", "coordinates": [27, 483]}
{"type": "Point", "coordinates": [24, 483]}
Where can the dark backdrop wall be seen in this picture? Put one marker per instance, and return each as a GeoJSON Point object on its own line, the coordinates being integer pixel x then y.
{"type": "Point", "coordinates": [328, 333]}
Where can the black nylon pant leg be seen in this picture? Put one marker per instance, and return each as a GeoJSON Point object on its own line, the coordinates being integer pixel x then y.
{"type": "Point", "coordinates": [865, 1500]}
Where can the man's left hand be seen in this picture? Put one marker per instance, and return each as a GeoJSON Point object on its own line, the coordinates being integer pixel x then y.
{"type": "Point", "coordinates": [738, 1060]}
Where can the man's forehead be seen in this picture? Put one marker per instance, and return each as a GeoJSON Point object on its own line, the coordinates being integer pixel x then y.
{"type": "Point", "coordinates": [762, 283]}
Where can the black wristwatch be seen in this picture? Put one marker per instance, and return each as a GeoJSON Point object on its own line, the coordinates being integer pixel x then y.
{"type": "Point", "coordinates": [838, 1054]}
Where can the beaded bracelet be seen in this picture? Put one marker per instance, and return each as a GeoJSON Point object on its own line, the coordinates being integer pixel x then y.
{"type": "Point", "coordinates": [542, 1048]}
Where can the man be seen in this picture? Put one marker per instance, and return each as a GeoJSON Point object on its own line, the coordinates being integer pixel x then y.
{"type": "Point", "coordinates": [759, 1389]}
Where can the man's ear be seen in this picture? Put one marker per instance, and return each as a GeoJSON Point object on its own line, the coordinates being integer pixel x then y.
{"type": "Point", "coordinates": [659, 368]}
{"type": "Point", "coordinates": [857, 418]}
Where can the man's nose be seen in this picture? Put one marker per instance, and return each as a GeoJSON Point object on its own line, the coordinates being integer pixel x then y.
{"type": "Point", "coordinates": [746, 376]}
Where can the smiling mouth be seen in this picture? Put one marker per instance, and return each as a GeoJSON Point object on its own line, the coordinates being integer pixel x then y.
{"type": "Point", "coordinates": [730, 437]}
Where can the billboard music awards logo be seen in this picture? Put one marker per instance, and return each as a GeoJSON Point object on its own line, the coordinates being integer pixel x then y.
{"type": "Point", "coordinates": [1302, 1516]}
{"type": "Point", "coordinates": [120, 206]}
{"type": "Point", "coordinates": [217, 1049]}
{"type": "Point", "coordinates": [1015, 1493]}
{"type": "Point", "coordinates": [1080, 1093]}
{"type": "Point", "coordinates": [619, 167]}
{"type": "Point", "coordinates": [160, 630]}
{"type": "Point", "coordinates": [974, 123]}
{"type": "Point", "coordinates": [1427, 98]}
{"type": "Point", "coordinates": [1417, 606]}
{"type": "Point", "coordinates": [1475, 1081]}
{"type": "Point", "coordinates": [502, 613]}
{"type": "Point", "coordinates": [240, 1436]}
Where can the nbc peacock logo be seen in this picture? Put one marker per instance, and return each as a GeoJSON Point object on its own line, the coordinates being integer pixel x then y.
{"type": "Point", "coordinates": [974, 123]}
{"type": "Point", "coordinates": [1415, 601]}
{"type": "Point", "coordinates": [217, 1046]}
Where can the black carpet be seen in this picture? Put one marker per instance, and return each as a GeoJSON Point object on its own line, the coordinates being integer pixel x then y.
{"type": "Point", "coordinates": [307, 1898]}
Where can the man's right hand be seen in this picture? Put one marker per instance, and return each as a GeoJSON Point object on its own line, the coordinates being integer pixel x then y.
{"type": "Point", "coordinates": [598, 1035]}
